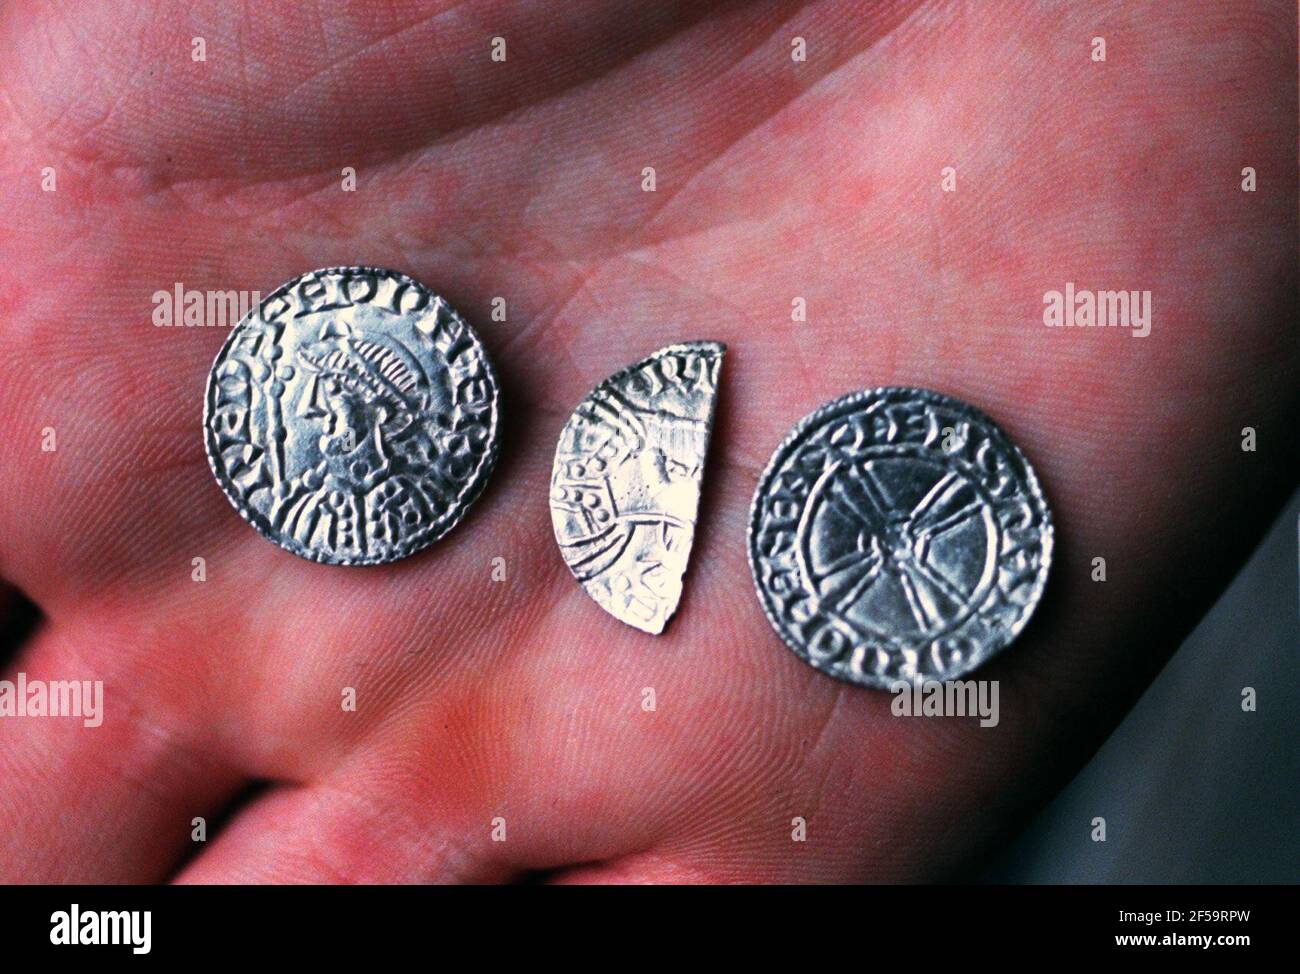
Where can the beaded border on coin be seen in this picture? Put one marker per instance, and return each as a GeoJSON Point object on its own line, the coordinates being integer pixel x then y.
{"type": "Point", "coordinates": [999, 476]}
{"type": "Point", "coordinates": [482, 371]}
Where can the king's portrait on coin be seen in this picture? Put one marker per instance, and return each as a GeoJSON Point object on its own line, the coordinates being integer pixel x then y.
{"type": "Point", "coordinates": [351, 418]}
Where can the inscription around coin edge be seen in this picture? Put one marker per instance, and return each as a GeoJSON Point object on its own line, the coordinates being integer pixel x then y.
{"type": "Point", "coordinates": [825, 416]}
{"type": "Point", "coordinates": [711, 353]}
{"type": "Point", "coordinates": [469, 490]}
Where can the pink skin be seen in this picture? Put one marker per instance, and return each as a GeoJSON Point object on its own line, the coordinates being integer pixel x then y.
{"type": "Point", "coordinates": [521, 699]}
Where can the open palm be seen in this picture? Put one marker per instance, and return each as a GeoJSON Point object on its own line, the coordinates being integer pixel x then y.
{"type": "Point", "coordinates": [518, 701]}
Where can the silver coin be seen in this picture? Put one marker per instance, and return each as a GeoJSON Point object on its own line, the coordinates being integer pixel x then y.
{"type": "Point", "coordinates": [351, 417]}
{"type": "Point", "coordinates": [625, 485]}
{"type": "Point", "coordinates": [898, 535]}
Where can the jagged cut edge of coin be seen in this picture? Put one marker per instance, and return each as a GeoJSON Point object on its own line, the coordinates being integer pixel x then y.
{"type": "Point", "coordinates": [609, 490]}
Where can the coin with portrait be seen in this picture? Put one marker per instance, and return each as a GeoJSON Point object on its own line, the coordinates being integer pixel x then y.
{"type": "Point", "coordinates": [351, 417]}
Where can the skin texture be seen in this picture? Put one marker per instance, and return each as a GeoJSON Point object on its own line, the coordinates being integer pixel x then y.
{"type": "Point", "coordinates": [775, 180]}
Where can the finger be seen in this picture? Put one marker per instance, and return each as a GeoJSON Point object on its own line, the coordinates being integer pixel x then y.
{"type": "Point", "coordinates": [365, 832]}
{"type": "Point", "coordinates": [109, 793]}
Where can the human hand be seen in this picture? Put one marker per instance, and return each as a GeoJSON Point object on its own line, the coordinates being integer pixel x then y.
{"type": "Point", "coordinates": [775, 180]}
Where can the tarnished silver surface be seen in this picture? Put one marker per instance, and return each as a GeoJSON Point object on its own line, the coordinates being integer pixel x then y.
{"type": "Point", "coordinates": [626, 481]}
{"type": "Point", "coordinates": [897, 534]}
{"type": "Point", "coordinates": [352, 417]}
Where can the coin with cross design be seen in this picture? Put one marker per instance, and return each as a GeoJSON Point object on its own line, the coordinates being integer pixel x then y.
{"type": "Point", "coordinates": [898, 535]}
